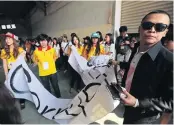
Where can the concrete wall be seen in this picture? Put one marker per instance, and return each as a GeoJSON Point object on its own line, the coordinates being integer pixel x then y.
{"type": "Point", "coordinates": [81, 17]}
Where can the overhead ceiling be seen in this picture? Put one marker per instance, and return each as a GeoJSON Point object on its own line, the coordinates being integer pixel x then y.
{"type": "Point", "coordinates": [16, 9]}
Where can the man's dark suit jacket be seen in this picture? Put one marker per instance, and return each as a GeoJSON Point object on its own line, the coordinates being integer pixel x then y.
{"type": "Point", "coordinates": [152, 84]}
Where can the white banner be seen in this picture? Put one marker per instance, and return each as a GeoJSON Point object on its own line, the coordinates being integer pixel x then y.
{"type": "Point", "coordinates": [95, 70]}
{"type": "Point", "coordinates": [88, 105]}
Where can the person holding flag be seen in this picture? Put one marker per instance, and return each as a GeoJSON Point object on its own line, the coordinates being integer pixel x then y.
{"type": "Point", "coordinates": [9, 55]}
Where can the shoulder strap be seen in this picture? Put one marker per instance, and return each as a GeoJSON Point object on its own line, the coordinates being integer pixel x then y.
{"type": "Point", "coordinates": [66, 46]}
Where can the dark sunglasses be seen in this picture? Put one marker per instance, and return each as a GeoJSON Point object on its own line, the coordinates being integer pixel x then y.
{"type": "Point", "coordinates": [159, 27]}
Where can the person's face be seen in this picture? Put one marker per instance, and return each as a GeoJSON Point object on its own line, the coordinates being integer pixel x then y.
{"type": "Point", "coordinates": [64, 39]}
{"type": "Point", "coordinates": [44, 43]}
{"type": "Point", "coordinates": [123, 34]}
{"type": "Point", "coordinates": [9, 41]}
{"type": "Point", "coordinates": [75, 40]}
{"type": "Point", "coordinates": [85, 41]}
{"type": "Point", "coordinates": [170, 45]}
{"type": "Point", "coordinates": [54, 41]}
{"type": "Point", "coordinates": [33, 43]}
{"type": "Point", "coordinates": [151, 36]}
{"type": "Point", "coordinates": [133, 40]}
{"type": "Point", "coordinates": [94, 40]}
{"type": "Point", "coordinates": [132, 44]}
{"type": "Point", "coordinates": [107, 38]}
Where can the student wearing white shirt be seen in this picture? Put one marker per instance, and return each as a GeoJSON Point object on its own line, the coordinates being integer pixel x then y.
{"type": "Point", "coordinates": [65, 47]}
{"type": "Point", "coordinates": [109, 45]}
{"type": "Point", "coordinates": [57, 48]}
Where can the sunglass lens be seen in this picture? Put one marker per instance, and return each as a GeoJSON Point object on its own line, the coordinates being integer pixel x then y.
{"type": "Point", "coordinates": [147, 25]}
{"type": "Point", "coordinates": [160, 27]}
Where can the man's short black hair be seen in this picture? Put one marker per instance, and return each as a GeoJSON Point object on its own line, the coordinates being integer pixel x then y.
{"type": "Point", "coordinates": [123, 29]}
{"type": "Point", "coordinates": [42, 37]}
{"type": "Point", "coordinates": [157, 12]}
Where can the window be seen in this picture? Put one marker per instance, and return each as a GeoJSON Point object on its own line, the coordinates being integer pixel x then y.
{"type": "Point", "coordinates": [3, 26]}
{"type": "Point", "coordinates": [8, 26]}
{"type": "Point", "coordinates": [13, 26]}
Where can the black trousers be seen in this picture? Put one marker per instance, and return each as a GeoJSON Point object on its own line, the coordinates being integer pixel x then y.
{"type": "Point", "coordinates": [59, 63]}
{"type": "Point", "coordinates": [22, 101]}
{"type": "Point", "coordinates": [53, 80]}
{"type": "Point", "coordinates": [76, 78]}
{"type": "Point", "coordinates": [135, 119]}
{"type": "Point", "coordinates": [65, 60]}
{"type": "Point", "coordinates": [149, 120]}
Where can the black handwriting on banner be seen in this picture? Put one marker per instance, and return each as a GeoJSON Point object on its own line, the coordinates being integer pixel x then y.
{"type": "Point", "coordinates": [93, 61]}
{"type": "Point", "coordinates": [79, 105]}
{"type": "Point", "coordinates": [95, 69]}
{"type": "Point", "coordinates": [46, 109]}
{"type": "Point", "coordinates": [82, 107]}
{"type": "Point", "coordinates": [38, 100]}
{"type": "Point", "coordinates": [88, 87]}
{"type": "Point", "coordinates": [60, 110]}
{"type": "Point", "coordinates": [102, 66]}
{"type": "Point", "coordinates": [12, 80]}
{"type": "Point", "coordinates": [28, 80]}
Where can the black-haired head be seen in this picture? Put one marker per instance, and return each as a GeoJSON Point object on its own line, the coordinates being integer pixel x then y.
{"type": "Point", "coordinates": [101, 36]}
{"type": "Point", "coordinates": [111, 37]}
{"type": "Point", "coordinates": [156, 12]}
{"type": "Point", "coordinates": [42, 37]}
{"type": "Point", "coordinates": [73, 34]}
{"type": "Point", "coordinates": [123, 29]}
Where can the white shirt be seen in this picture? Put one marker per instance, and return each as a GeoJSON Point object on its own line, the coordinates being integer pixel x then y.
{"type": "Point", "coordinates": [57, 48]}
{"type": "Point", "coordinates": [110, 48]}
{"type": "Point", "coordinates": [132, 68]}
{"type": "Point", "coordinates": [63, 45]}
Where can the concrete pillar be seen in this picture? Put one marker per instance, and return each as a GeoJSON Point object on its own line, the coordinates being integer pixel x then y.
{"type": "Point", "coordinates": [117, 19]}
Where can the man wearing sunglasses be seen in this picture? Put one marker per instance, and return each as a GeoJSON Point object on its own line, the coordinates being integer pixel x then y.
{"type": "Point", "coordinates": [148, 77]}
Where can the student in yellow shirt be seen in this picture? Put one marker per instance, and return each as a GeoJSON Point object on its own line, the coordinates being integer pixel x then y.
{"type": "Point", "coordinates": [94, 48]}
{"type": "Point", "coordinates": [45, 58]}
{"type": "Point", "coordinates": [76, 78]}
{"type": "Point", "coordinates": [9, 55]}
{"type": "Point", "coordinates": [76, 43]}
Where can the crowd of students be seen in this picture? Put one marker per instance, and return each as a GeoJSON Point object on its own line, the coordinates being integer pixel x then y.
{"type": "Point", "coordinates": [52, 54]}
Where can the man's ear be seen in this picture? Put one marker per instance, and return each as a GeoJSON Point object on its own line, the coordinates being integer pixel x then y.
{"type": "Point", "coordinates": [165, 32]}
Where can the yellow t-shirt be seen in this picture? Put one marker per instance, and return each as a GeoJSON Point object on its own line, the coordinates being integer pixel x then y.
{"type": "Point", "coordinates": [45, 60]}
{"type": "Point", "coordinates": [79, 50]}
{"type": "Point", "coordinates": [92, 52]}
{"type": "Point", "coordinates": [10, 59]}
